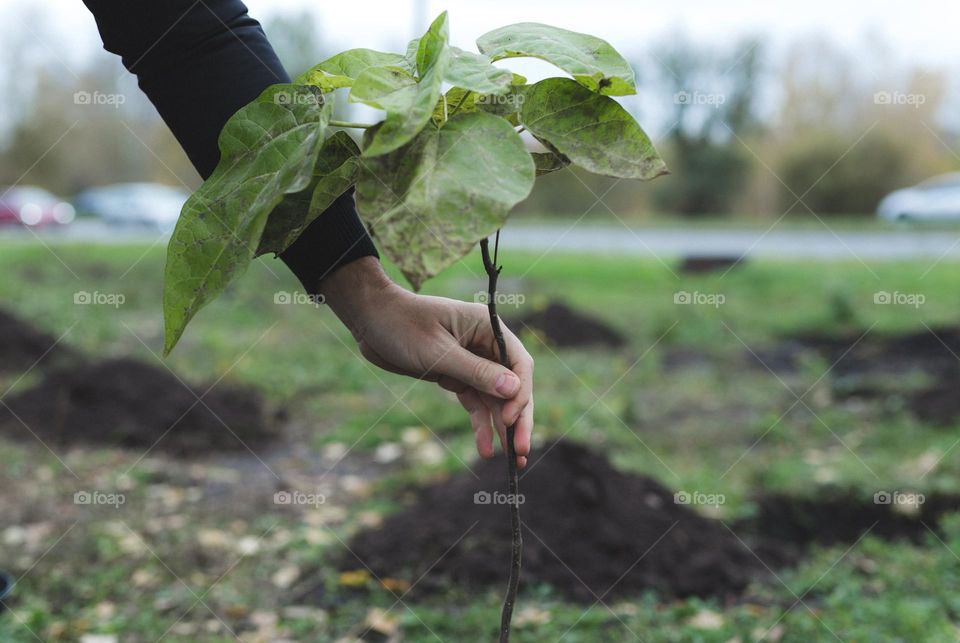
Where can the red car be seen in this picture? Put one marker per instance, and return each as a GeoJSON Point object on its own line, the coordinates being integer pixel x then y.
{"type": "Point", "coordinates": [33, 206]}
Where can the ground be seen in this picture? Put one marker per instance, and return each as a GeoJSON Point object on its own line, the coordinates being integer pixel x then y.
{"type": "Point", "coordinates": [703, 397]}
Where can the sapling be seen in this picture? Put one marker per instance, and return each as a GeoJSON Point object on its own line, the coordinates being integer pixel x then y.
{"type": "Point", "coordinates": [438, 174]}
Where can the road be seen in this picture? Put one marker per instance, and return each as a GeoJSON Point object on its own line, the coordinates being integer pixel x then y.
{"type": "Point", "coordinates": [621, 240]}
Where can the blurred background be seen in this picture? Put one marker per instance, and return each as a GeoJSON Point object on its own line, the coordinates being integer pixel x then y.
{"type": "Point", "coordinates": [747, 403]}
{"type": "Point", "coordinates": [750, 105]}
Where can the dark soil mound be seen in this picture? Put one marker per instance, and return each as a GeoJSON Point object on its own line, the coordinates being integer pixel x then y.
{"type": "Point", "coordinates": [126, 403]}
{"type": "Point", "coordinates": [874, 367]}
{"type": "Point", "coordinates": [588, 530]}
{"type": "Point", "coordinates": [873, 353]}
{"type": "Point", "coordinates": [563, 326]}
{"type": "Point", "coordinates": [21, 345]}
{"type": "Point", "coordinates": [843, 517]}
{"type": "Point", "coordinates": [697, 265]}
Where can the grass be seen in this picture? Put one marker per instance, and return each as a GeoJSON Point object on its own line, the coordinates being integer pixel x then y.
{"type": "Point", "coordinates": [193, 537]}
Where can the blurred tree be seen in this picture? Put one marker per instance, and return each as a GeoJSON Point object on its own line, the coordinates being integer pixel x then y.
{"type": "Point", "coordinates": [714, 98]}
{"type": "Point", "coordinates": [298, 41]}
{"type": "Point", "coordinates": [847, 138]}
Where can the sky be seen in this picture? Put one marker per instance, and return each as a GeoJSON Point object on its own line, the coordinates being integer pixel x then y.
{"type": "Point", "coordinates": [923, 31]}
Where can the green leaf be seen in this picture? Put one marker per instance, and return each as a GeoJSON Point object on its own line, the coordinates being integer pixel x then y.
{"type": "Point", "coordinates": [594, 131]}
{"type": "Point", "coordinates": [456, 100]}
{"type": "Point", "coordinates": [335, 172]}
{"type": "Point", "coordinates": [384, 88]}
{"type": "Point", "coordinates": [344, 68]}
{"type": "Point", "coordinates": [409, 108]}
{"type": "Point", "coordinates": [474, 72]}
{"type": "Point", "coordinates": [547, 162]}
{"type": "Point", "coordinates": [430, 201]}
{"type": "Point", "coordinates": [505, 105]}
{"type": "Point", "coordinates": [267, 149]}
{"type": "Point", "coordinates": [591, 61]}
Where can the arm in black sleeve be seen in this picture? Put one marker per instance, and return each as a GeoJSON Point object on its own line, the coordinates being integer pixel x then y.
{"type": "Point", "coordinates": [199, 62]}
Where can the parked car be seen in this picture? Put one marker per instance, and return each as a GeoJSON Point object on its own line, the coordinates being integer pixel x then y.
{"type": "Point", "coordinates": [33, 206]}
{"type": "Point", "coordinates": [149, 205]}
{"type": "Point", "coordinates": [936, 199]}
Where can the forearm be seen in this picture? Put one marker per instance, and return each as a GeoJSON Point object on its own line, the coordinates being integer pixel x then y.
{"type": "Point", "coordinates": [199, 63]}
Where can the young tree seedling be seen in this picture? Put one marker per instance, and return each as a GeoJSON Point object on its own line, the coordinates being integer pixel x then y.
{"type": "Point", "coordinates": [440, 173]}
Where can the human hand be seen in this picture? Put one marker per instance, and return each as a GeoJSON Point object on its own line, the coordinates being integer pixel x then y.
{"type": "Point", "coordinates": [441, 340]}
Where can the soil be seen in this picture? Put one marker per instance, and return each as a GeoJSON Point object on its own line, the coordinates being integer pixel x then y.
{"type": "Point", "coordinates": [697, 265]}
{"type": "Point", "coordinates": [875, 367]}
{"type": "Point", "coordinates": [842, 517]}
{"type": "Point", "coordinates": [564, 327]}
{"type": "Point", "coordinates": [22, 346]}
{"type": "Point", "coordinates": [589, 530]}
{"type": "Point", "coordinates": [130, 404]}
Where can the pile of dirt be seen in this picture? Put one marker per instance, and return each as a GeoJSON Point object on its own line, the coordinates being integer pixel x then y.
{"type": "Point", "coordinates": [564, 327]}
{"type": "Point", "coordinates": [589, 530]}
{"type": "Point", "coordinates": [127, 403]}
{"type": "Point", "coordinates": [22, 345]}
{"type": "Point", "coordinates": [874, 367]}
{"type": "Point", "coordinates": [703, 264]}
{"type": "Point", "coordinates": [843, 516]}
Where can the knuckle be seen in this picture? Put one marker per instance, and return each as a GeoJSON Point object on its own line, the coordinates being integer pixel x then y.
{"type": "Point", "coordinates": [481, 372]}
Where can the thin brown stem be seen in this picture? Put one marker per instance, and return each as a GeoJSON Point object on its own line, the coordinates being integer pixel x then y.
{"type": "Point", "coordinates": [510, 599]}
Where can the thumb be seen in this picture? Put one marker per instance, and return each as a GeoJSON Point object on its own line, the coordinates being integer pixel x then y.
{"type": "Point", "coordinates": [479, 373]}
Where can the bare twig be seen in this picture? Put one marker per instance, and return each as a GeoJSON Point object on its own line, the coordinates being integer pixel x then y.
{"type": "Point", "coordinates": [493, 272]}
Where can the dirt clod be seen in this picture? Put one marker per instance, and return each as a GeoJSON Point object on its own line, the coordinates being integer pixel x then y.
{"type": "Point", "coordinates": [22, 345]}
{"type": "Point", "coordinates": [128, 403]}
{"type": "Point", "coordinates": [588, 530]}
{"type": "Point", "coordinates": [562, 326]}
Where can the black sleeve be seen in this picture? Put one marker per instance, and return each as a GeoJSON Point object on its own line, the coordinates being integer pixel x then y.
{"type": "Point", "coordinates": [199, 62]}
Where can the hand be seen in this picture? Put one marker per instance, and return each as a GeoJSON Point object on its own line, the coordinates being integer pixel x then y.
{"type": "Point", "coordinates": [441, 340]}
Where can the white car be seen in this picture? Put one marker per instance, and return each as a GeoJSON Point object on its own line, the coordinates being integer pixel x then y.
{"type": "Point", "coordinates": [149, 205]}
{"type": "Point", "coordinates": [936, 199]}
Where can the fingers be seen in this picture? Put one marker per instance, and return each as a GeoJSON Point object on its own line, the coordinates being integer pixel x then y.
{"type": "Point", "coordinates": [496, 411]}
{"type": "Point", "coordinates": [476, 372]}
{"type": "Point", "coordinates": [522, 434]}
{"type": "Point", "coordinates": [523, 367]}
{"type": "Point", "coordinates": [481, 419]}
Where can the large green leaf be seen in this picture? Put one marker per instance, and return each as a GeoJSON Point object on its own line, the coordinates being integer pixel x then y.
{"type": "Point", "coordinates": [267, 149]}
{"type": "Point", "coordinates": [474, 72]}
{"type": "Point", "coordinates": [384, 88]}
{"type": "Point", "coordinates": [591, 61]}
{"type": "Point", "coordinates": [334, 174]}
{"type": "Point", "coordinates": [344, 68]}
{"type": "Point", "coordinates": [594, 131]}
{"type": "Point", "coordinates": [429, 202]}
{"type": "Point", "coordinates": [409, 108]}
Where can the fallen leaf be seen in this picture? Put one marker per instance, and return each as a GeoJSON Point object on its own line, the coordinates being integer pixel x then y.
{"type": "Point", "coordinates": [285, 576]}
{"type": "Point", "coordinates": [380, 620]}
{"type": "Point", "coordinates": [706, 620]}
{"type": "Point", "coordinates": [395, 584]}
{"type": "Point", "coordinates": [355, 578]}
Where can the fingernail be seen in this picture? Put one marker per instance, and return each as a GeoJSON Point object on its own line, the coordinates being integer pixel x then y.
{"type": "Point", "coordinates": [507, 384]}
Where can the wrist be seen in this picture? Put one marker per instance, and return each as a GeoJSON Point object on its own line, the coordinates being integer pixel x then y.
{"type": "Point", "coordinates": [354, 289]}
